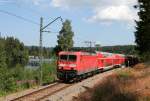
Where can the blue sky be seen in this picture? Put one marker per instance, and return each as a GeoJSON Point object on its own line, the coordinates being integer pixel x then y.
{"type": "Point", "coordinates": [107, 22]}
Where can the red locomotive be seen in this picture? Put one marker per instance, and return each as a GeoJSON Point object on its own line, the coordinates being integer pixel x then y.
{"type": "Point", "coordinates": [76, 65]}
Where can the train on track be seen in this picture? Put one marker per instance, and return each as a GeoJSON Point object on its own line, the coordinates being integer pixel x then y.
{"type": "Point", "coordinates": [79, 65]}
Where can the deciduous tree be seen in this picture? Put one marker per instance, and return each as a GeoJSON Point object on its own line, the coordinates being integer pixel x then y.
{"type": "Point", "coordinates": [65, 37]}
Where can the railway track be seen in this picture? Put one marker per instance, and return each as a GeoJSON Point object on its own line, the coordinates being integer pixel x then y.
{"type": "Point", "coordinates": [40, 94]}
{"type": "Point", "coordinates": [45, 92]}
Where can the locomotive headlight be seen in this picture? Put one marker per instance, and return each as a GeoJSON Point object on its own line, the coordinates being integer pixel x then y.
{"type": "Point", "coordinates": [72, 65]}
{"type": "Point", "coordinates": [62, 65]}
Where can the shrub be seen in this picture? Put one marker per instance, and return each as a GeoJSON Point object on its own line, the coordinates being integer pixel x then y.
{"type": "Point", "coordinates": [19, 78]}
{"type": "Point", "coordinates": [111, 89]}
{"type": "Point", "coordinates": [49, 72]}
{"type": "Point", "coordinates": [125, 75]}
{"type": "Point", "coordinates": [7, 81]}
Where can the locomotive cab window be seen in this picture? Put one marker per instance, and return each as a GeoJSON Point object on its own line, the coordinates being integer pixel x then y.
{"type": "Point", "coordinates": [63, 57]}
{"type": "Point", "coordinates": [68, 57]}
{"type": "Point", "coordinates": [72, 57]}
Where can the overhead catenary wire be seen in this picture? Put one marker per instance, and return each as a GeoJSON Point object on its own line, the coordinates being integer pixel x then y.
{"type": "Point", "coordinates": [19, 17]}
{"type": "Point", "coordinates": [28, 10]}
{"type": "Point", "coordinates": [23, 18]}
{"type": "Point", "coordinates": [6, 1]}
{"type": "Point", "coordinates": [19, 4]}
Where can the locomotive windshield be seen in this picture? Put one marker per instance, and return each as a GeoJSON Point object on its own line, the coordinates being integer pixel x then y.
{"type": "Point", "coordinates": [68, 57]}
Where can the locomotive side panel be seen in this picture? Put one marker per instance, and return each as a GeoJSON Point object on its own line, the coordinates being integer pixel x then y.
{"type": "Point", "coordinates": [100, 62]}
{"type": "Point", "coordinates": [87, 64]}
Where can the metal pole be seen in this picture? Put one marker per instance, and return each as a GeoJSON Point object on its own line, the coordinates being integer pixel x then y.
{"type": "Point", "coordinates": [89, 44]}
{"type": "Point", "coordinates": [41, 50]}
{"type": "Point", "coordinates": [42, 29]}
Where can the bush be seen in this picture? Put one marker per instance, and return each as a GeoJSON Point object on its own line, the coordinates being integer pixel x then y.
{"type": "Point", "coordinates": [125, 75]}
{"type": "Point", "coordinates": [17, 72]}
{"type": "Point", "coordinates": [49, 72]}
{"type": "Point", "coordinates": [19, 78]}
{"type": "Point", "coordinates": [7, 81]}
{"type": "Point", "coordinates": [111, 89]}
{"type": "Point", "coordinates": [145, 57]}
{"type": "Point", "coordinates": [15, 79]}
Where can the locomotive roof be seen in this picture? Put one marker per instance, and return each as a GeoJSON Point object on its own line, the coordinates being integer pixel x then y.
{"type": "Point", "coordinates": [76, 53]}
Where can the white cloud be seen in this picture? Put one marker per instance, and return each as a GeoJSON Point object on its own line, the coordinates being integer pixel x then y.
{"type": "Point", "coordinates": [68, 3]}
{"type": "Point", "coordinates": [103, 10]}
{"type": "Point", "coordinates": [113, 13]}
{"type": "Point", "coordinates": [58, 3]}
{"type": "Point", "coordinates": [71, 3]}
{"type": "Point", "coordinates": [94, 3]}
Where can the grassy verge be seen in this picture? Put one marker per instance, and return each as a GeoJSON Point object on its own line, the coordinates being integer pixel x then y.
{"type": "Point", "coordinates": [124, 85]}
{"type": "Point", "coordinates": [19, 78]}
{"type": "Point", "coordinates": [49, 73]}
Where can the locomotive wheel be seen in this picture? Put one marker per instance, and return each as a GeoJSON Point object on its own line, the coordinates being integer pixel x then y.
{"type": "Point", "coordinates": [78, 79]}
{"type": "Point", "coordinates": [92, 73]}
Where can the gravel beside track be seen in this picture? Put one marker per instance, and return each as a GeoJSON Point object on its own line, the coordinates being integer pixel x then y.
{"type": "Point", "coordinates": [24, 92]}
{"type": "Point", "coordinates": [73, 91]}
{"type": "Point", "coordinates": [41, 93]}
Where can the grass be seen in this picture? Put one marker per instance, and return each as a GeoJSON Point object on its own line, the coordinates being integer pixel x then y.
{"type": "Point", "coordinates": [110, 90]}
{"type": "Point", "coordinates": [126, 74]}
{"type": "Point", "coordinates": [147, 98]}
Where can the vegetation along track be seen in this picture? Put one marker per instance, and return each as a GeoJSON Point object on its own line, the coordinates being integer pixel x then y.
{"type": "Point", "coordinates": [42, 93]}
{"type": "Point", "coordinates": [45, 92]}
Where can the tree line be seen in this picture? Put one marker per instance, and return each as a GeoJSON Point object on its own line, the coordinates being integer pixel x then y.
{"type": "Point", "coordinates": [34, 51]}
{"type": "Point", "coordinates": [50, 52]}
{"type": "Point", "coordinates": [120, 49]}
{"type": "Point", "coordinates": [12, 52]}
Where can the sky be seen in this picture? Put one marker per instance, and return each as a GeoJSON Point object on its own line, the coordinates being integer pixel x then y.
{"type": "Point", "coordinates": [105, 22]}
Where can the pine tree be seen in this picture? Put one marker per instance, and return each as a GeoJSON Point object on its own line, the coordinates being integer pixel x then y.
{"type": "Point", "coordinates": [16, 52]}
{"type": "Point", "coordinates": [65, 37]}
{"type": "Point", "coordinates": [142, 33]}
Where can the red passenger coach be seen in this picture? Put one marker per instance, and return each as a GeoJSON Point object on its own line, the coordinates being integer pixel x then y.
{"type": "Point", "coordinates": [73, 65]}
{"type": "Point", "coordinates": [108, 62]}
